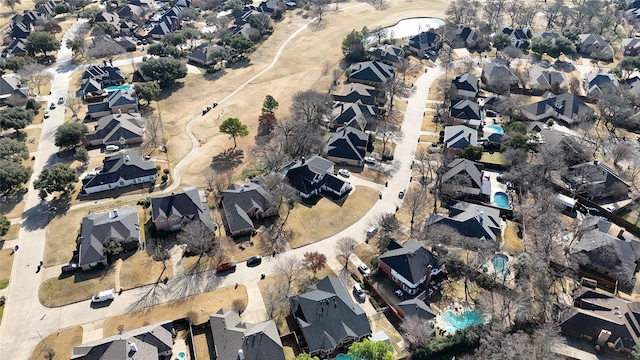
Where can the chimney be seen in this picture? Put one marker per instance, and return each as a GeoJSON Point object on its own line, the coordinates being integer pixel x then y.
{"type": "Point", "coordinates": [621, 234]}
{"type": "Point", "coordinates": [428, 279]}
{"type": "Point", "coordinates": [469, 138]}
{"type": "Point", "coordinates": [119, 112]}
{"type": "Point", "coordinates": [240, 354]}
{"type": "Point", "coordinates": [303, 160]}
{"type": "Point", "coordinates": [126, 158]}
{"type": "Point", "coordinates": [481, 217]}
{"type": "Point", "coordinates": [603, 337]}
{"type": "Point", "coordinates": [134, 348]}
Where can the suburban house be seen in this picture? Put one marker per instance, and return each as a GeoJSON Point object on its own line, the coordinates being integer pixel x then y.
{"type": "Point", "coordinates": [328, 318]}
{"type": "Point", "coordinates": [465, 112]}
{"type": "Point", "coordinates": [117, 129]}
{"type": "Point", "coordinates": [309, 176]}
{"type": "Point", "coordinates": [109, 18]}
{"type": "Point", "coordinates": [353, 115]}
{"type": "Point", "coordinates": [547, 79]}
{"type": "Point", "coordinates": [17, 47]}
{"type": "Point", "coordinates": [347, 146]}
{"type": "Point", "coordinates": [374, 73]}
{"type": "Point", "coordinates": [498, 76]}
{"type": "Point", "coordinates": [121, 225]}
{"type": "Point", "coordinates": [28, 17]}
{"type": "Point", "coordinates": [632, 85]}
{"type": "Point", "coordinates": [120, 170]}
{"type": "Point", "coordinates": [242, 204]}
{"type": "Point", "coordinates": [595, 46]}
{"type": "Point", "coordinates": [20, 31]}
{"type": "Point", "coordinates": [388, 54]}
{"type": "Point", "coordinates": [458, 137]}
{"type": "Point", "coordinates": [361, 94]}
{"type": "Point", "coordinates": [151, 342]}
{"type": "Point", "coordinates": [491, 134]}
{"type": "Point", "coordinates": [465, 86]}
{"type": "Point", "coordinates": [631, 46]}
{"type": "Point", "coordinates": [48, 8]}
{"type": "Point", "coordinates": [200, 55]}
{"type": "Point", "coordinates": [602, 319]}
{"type": "Point", "coordinates": [172, 212]}
{"type": "Point", "coordinates": [463, 37]}
{"type": "Point", "coordinates": [597, 84]}
{"type": "Point", "coordinates": [423, 42]}
{"type": "Point", "coordinates": [518, 37]}
{"type": "Point", "coordinates": [465, 177]}
{"type": "Point", "coordinates": [104, 75]}
{"type": "Point", "coordinates": [11, 88]}
{"type": "Point", "coordinates": [595, 181]}
{"type": "Point", "coordinates": [471, 220]}
{"type": "Point", "coordinates": [565, 107]}
{"type": "Point", "coordinates": [410, 266]}
{"type": "Point", "coordinates": [234, 339]}
{"type": "Point", "coordinates": [604, 256]}
{"type": "Point", "coordinates": [116, 102]}
{"type": "Point", "coordinates": [128, 43]}
{"type": "Point", "coordinates": [417, 308]}
{"type": "Point", "coordinates": [131, 12]}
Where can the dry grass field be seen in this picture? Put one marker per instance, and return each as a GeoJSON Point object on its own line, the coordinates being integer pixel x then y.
{"type": "Point", "coordinates": [203, 305]}
{"type": "Point", "coordinates": [293, 72]}
{"type": "Point", "coordinates": [6, 262]}
{"type": "Point", "coordinates": [61, 342]}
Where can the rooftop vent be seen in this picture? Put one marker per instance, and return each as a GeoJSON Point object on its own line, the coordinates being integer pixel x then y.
{"type": "Point", "coordinates": [114, 214]}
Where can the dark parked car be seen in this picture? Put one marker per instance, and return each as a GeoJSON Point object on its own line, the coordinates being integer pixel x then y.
{"type": "Point", "coordinates": [254, 260]}
{"type": "Point", "coordinates": [226, 267]}
{"type": "Point", "coordinates": [70, 268]}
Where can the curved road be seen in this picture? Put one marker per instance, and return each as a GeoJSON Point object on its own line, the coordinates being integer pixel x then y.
{"type": "Point", "coordinates": [26, 319]}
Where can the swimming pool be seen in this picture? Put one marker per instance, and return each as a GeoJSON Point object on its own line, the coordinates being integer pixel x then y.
{"type": "Point", "coordinates": [119, 87]}
{"type": "Point", "coordinates": [501, 200]}
{"type": "Point", "coordinates": [456, 322]}
{"type": "Point", "coordinates": [342, 357]}
{"type": "Point", "coordinates": [500, 262]}
{"type": "Point", "coordinates": [496, 129]}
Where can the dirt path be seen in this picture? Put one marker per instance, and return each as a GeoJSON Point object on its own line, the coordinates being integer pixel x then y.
{"type": "Point", "coordinates": [116, 273]}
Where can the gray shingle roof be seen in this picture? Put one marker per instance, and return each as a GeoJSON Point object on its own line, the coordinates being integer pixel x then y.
{"type": "Point", "coordinates": [121, 224]}
{"type": "Point", "coordinates": [150, 340]}
{"type": "Point", "coordinates": [418, 308]}
{"type": "Point", "coordinates": [542, 78]}
{"type": "Point", "coordinates": [371, 71]}
{"type": "Point", "coordinates": [327, 314]}
{"type": "Point", "coordinates": [466, 82]}
{"type": "Point", "coordinates": [387, 53]}
{"type": "Point", "coordinates": [411, 260]}
{"type": "Point", "coordinates": [126, 166]}
{"type": "Point", "coordinates": [461, 166]}
{"type": "Point", "coordinates": [111, 128]}
{"type": "Point", "coordinates": [348, 143]}
{"type": "Point", "coordinates": [257, 341]}
{"type": "Point", "coordinates": [598, 83]}
{"type": "Point", "coordinates": [466, 110]}
{"type": "Point", "coordinates": [460, 136]}
{"type": "Point", "coordinates": [471, 220]}
{"type": "Point", "coordinates": [424, 40]}
{"type": "Point", "coordinates": [566, 107]}
{"type": "Point", "coordinates": [185, 204]}
{"type": "Point", "coordinates": [357, 93]}
{"type": "Point", "coordinates": [238, 200]}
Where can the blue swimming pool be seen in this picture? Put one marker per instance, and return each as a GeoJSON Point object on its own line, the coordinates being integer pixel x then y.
{"type": "Point", "coordinates": [456, 322]}
{"type": "Point", "coordinates": [342, 357]}
{"type": "Point", "coordinates": [500, 263]}
{"type": "Point", "coordinates": [501, 200]}
{"type": "Point", "coordinates": [119, 87]}
{"type": "Point", "coordinates": [496, 129]}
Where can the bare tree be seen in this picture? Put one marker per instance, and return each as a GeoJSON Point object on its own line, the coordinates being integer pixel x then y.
{"type": "Point", "coordinates": [425, 163]}
{"type": "Point", "coordinates": [74, 104]}
{"type": "Point", "coordinates": [345, 247]}
{"type": "Point", "coordinates": [416, 202]}
{"type": "Point", "coordinates": [299, 137]}
{"type": "Point", "coordinates": [311, 106]}
{"type": "Point", "coordinates": [314, 261]}
{"type": "Point", "coordinates": [335, 75]}
{"type": "Point", "coordinates": [621, 152]}
{"type": "Point", "coordinates": [275, 299]}
{"type": "Point", "coordinates": [36, 74]}
{"type": "Point", "coordinates": [388, 225]}
{"type": "Point", "coordinates": [417, 331]}
{"type": "Point", "coordinates": [270, 155]}
{"type": "Point", "coordinates": [154, 133]}
{"type": "Point", "coordinates": [199, 239]}
{"type": "Point", "coordinates": [239, 305]}
{"type": "Point", "coordinates": [104, 49]}
{"type": "Point", "coordinates": [387, 131]}
{"type": "Point", "coordinates": [291, 269]}
{"type": "Point", "coordinates": [281, 193]}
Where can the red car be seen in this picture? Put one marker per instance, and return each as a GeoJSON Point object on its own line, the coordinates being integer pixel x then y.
{"type": "Point", "coordinates": [226, 267]}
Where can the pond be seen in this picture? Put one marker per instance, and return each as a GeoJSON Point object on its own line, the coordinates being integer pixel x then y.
{"type": "Point", "coordinates": [409, 27]}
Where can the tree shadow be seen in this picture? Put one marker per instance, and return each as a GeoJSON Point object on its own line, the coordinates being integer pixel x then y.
{"type": "Point", "coordinates": [319, 25]}
{"type": "Point", "coordinates": [244, 63]}
{"type": "Point", "coordinates": [8, 201]}
{"type": "Point", "coordinates": [227, 160]}
{"type": "Point", "coordinates": [212, 76]}
{"type": "Point", "coordinates": [169, 90]}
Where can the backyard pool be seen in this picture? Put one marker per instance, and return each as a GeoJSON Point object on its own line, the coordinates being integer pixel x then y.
{"type": "Point", "coordinates": [119, 87]}
{"type": "Point", "coordinates": [500, 262]}
{"type": "Point", "coordinates": [342, 357]}
{"type": "Point", "coordinates": [496, 129]}
{"type": "Point", "coordinates": [455, 322]}
{"type": "Point", "coordinates": [501, 200]}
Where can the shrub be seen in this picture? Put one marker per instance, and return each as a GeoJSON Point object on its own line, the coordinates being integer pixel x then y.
{"type": "Point", "coordinates": [33, 105]}
{"type": "Point", "coordinates": [3, 300]}
{"type": "Point", "coordinates": [165, 177]}
{"type": "Point", "coordinates": [158, 168]}
{"type": "Point", "coordinates": [239, 305]}
{"type": "Point", "coordinates": [550, 122]}
{"type": "Point", "coordinates": [166, 171]}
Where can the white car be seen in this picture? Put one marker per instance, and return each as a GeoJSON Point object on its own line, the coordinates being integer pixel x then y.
{"type": "Point", "coordinates": [47, 114]}
{"type": "Point", "coordinates": [344, 172]}
{"type": "Point", "coordinates": [369, 159]}
{"type": "Point", "coordinates": [364, 269]}
{"type": "Point", "coordinates": [401, 193]}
